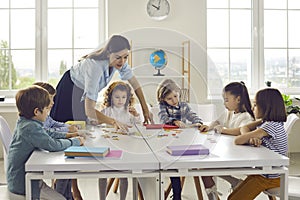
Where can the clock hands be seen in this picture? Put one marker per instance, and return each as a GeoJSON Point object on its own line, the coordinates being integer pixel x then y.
{"type": "Point", "coordinates": [157, 7]}
{"type": "Point", "coordinates": [159, 4]}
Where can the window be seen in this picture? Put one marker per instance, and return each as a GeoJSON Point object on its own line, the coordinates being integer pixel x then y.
{"type": "Point", "coordinates": [282, 44]}
{"type": "Point", "coordinates": [40, 40]}
{"type": "Point", "coordinates": [244, 44]}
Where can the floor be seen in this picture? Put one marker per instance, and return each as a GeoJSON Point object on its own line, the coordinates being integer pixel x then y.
{"type": "Point", "coordinates": [89, 188]}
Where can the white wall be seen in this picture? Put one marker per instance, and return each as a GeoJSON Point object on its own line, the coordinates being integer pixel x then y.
{"type": "Point", "coordinates": [186, 21]}
{"type": "Point", "coordinates": [187, 17]}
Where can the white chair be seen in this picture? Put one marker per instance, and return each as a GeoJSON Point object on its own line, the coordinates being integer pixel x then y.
{"type": "Point", "coordinates": [275, 192]}
{"type": "Point", "coordinates": [5, 134]}
{"type": "Point", "coordinates": [207, 112]}
{"type": "Point", "coordinates": [6, 137]}
{"type": "Point", "coordinates": [294, 190]}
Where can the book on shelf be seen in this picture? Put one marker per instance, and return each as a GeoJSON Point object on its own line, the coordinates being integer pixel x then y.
{"type": "Point", "coordinates": [83, 151]}
{"type": "Point", "coordinates": [182, 150]}
{"type": "Point", "coordinates": [160, 126]}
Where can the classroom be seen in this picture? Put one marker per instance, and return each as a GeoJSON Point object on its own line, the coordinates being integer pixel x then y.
{"type": "Point", "coordinates": [201, 45]}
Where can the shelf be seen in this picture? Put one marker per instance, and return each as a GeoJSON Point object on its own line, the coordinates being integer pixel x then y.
{"type": "Point", "coordinates": [178, 66]}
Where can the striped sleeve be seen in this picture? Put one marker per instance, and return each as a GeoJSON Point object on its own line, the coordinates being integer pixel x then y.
{"type": "Point", "coordinates": [277, 137]}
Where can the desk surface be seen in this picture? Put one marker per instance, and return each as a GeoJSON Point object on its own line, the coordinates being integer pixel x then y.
{"type": "Point", "coordinates": [150, 153]}
{"type": "Point", "coordinates": [223, 152]}
{"type": "Point", "coordinates": [136, 156]}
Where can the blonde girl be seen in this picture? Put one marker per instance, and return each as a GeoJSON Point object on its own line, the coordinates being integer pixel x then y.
{"type": "Point", "coordinates": [118, 103]}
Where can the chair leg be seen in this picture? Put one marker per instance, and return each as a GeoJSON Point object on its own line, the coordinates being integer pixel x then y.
{"type": "Point", "coordinates": [110, 182]}
{"type": "Point", "coordinates": [198, 187]}
{"type": "Point", "coordinates": [271, 197]}
{"type": "Point", "coordinates": [75, 190]}
{"type": "Point", "coordinates": [53, 182]}
{"type": "Point", "coordinates": [116, 185]}
{"type": "Point", "coordinates": [182, 181]}
{"type": "Point", "coordinates": [141, 197]}
{"type": "Point", "coordinates": [167, 191]}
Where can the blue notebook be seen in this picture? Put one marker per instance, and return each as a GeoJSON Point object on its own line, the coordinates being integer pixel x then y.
{"type": "Point", "coordinates": [183, 150]}
{"type": "Point", "coordinates": [83, 151]}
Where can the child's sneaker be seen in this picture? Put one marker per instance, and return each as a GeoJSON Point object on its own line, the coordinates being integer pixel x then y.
{"type": "Point", "coordinates": [212, 193]}
{"type": "Point", "coordinates": [235, 185]}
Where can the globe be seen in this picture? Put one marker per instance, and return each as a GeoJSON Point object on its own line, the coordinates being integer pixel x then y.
{"type": "Point", "coordinates": [158, 60]}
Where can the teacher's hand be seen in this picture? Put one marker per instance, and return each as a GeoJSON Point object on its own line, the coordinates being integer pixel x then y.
{"type": "Point", "coordinates": [148, 118]}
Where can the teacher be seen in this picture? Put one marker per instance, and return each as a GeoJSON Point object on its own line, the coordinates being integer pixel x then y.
{"type": "Point", "coordinates": [77, 91]}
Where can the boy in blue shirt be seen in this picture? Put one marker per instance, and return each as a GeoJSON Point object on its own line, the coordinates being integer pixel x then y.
{"type": "Point", "coordinates": [33, 104]}
{"type": "Point", "coordinates": [61, 130]}
{"type": "Point", "coordinates": [52, 125]}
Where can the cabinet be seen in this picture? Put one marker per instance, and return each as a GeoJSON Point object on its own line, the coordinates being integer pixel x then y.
{"type": "Point", "coordinates": [178, 67]}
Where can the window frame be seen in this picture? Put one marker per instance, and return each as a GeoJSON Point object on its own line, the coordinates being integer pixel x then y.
{"type": "Point", "coordinates": [41, 39]}
{"type": "Point", "coordinates": [258, 48]}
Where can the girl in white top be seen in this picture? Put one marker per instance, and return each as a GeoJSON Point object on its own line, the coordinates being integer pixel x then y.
{"type": "Point", "coordinates": [238, 113]}
{"type": "Point", "coordinates": [238, 110]}
{"type": "Point", "coordinates": [118, 100]}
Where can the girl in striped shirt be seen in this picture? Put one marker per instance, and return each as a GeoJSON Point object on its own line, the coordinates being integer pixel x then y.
{"type": "Point", "coordinates": [268, 131]}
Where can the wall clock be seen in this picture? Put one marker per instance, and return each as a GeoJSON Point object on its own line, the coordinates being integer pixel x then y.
{"type": "Point", "coordinates": [158, 9]}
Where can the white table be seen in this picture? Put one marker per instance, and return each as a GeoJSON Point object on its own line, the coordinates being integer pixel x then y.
{"type": "Point", "coordinates": [137, 161]}
{"type": "Point", "coordinates": [225, 158]}
{"type": "Point", "coordinates": [148, 158]}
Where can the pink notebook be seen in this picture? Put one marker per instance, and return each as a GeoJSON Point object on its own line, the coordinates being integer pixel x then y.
{"type": "Point", "coordinates": [160, 126]}
{"type": "Point", "coordinates": [114, 154]}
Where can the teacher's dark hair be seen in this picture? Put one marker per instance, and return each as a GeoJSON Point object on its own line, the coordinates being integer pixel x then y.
{"type": "Point", "coordinates": [115, 44]}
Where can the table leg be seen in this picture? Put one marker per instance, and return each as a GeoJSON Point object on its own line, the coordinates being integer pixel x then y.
{"type": "Point", "coordinates": [28, 186]}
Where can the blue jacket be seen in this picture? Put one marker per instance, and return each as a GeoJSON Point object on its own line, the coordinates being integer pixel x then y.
{"type": "Point", "coordinates": [52, 125]}
{"type": "Point", "coordinates": [29, 135]}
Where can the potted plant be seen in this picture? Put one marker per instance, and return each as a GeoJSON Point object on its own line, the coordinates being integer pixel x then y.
{"type": "Point", "coordinates": [290, 107]}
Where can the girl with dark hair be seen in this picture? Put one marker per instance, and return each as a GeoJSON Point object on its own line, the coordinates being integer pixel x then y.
{"type": "Point", "coordinates": [237, 114]}
{"type": "Point", "coordinates": [238, 110]}
{"type": "Point", "coordinates": [268, 131]}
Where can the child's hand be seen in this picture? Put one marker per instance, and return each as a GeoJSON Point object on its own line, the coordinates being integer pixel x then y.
{"type": "Point", "coordinates": [218, 129]}
{"type": "Point", "coordinates": [70, 135]}
{"type": "Point", "coordinates": [133, 111]}
{"type": "Point", "coordinates": [72, 128]}
{"type": "Point", "coordinates": [255, 142]}
{"type": "Point", "coordinates": [84, 133]}
{"type": "Point", "coordinates": [180, 124]}
{"type": "Point", "coordinates": [81, 139]}
{"type": "Point", "coordinates": [203, 128]}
